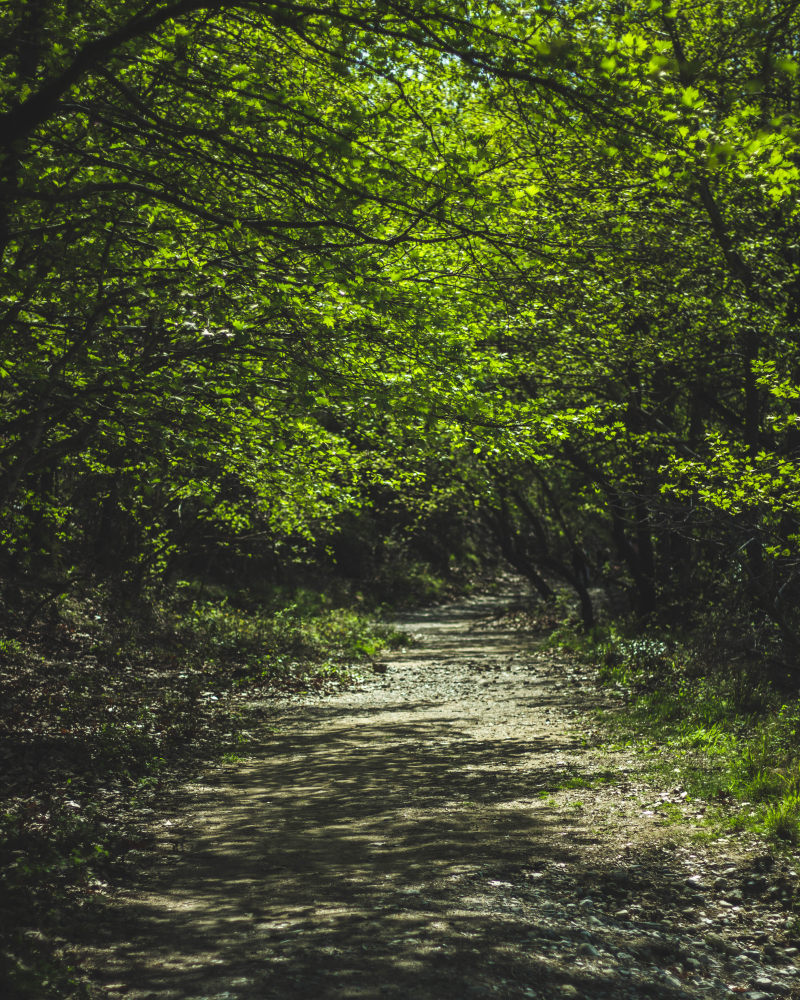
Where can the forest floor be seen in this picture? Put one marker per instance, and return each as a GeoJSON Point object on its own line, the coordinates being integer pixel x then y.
{"type": "Point", "coordinates": [452, 828]}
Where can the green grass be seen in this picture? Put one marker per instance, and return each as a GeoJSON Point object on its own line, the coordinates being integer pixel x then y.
{"type": "Point", "coordinates": [576, 782]}
{"type": "Point", "coordinates": [728, 739]}
{"type": "Point", "coordinates": [302, 645]}
{"type": "Point", "coordinates": [783, 818]}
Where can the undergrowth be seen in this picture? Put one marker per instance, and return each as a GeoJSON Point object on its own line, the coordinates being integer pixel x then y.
{"type": "Point", "coordinates": [722, 729]}
{"type": "Point", "coordinates": [102, 709]}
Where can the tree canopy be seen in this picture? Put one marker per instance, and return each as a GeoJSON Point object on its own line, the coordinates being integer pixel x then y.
{"type": "Point", "coordinates": [277, 274]}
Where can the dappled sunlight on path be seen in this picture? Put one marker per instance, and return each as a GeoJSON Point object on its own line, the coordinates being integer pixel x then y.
{"type": "Point", "coordinates": [400, 841]}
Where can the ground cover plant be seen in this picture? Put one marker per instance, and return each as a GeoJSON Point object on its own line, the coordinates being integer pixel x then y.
{"type": "Point", "coordinates": [102, 713]}
{"type": "Point", "coordinates": [730, 740]}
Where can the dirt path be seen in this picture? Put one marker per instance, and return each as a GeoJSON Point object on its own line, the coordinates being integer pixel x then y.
{"type": "Point", "coordinates": [415, 839]}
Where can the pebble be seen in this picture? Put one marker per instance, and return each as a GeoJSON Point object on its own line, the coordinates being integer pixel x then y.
{"type": "Point", "coordinates": [625, 925]}
{"type": "Point", "coordinates": [761, 983]}
{"type": "Point", "coordinates": [717, 941]}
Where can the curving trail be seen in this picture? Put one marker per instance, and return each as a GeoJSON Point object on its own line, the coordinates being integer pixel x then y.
{"type": "Point", "coordinates": [446, 831]}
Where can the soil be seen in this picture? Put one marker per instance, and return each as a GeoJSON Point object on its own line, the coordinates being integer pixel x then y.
{"type": "Point", "coordinates": [449, 829]}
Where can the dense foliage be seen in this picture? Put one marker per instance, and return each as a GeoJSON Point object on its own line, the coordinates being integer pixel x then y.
{"type": "Point", "coordinates": [287, 283]}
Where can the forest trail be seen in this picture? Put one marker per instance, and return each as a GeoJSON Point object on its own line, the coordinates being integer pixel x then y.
{"type": "Point", "coordinates": [447, 830]}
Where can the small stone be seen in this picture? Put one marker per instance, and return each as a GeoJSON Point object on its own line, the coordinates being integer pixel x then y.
{"type": "Point", "coordinates": [720, 883]}
{"type": "Point", "coordinates": [588, 949]}
{"type": "Point", "coordinates": [673, 981]}
{"type": "Point", "coordinates": [568, 991]}
{"type": "Point", "coordinates": [762, 983]}
{"type": "Point", "coordinates": [622, 914]}
{"type": "Point", "coordinates": [718, 942]}
{"type": "Point", "coordinates": [586, 904]}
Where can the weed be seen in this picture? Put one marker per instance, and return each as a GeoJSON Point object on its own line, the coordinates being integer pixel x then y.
{"type": "Point", "coordinates": [783, 819]}
{"type": "Point", "coordinates": [576, 782]}
{"type": "Point", "coordinates": [292, 647]}
{"type": "Point", "coordinates": [671, 812]}
{"type": "Point", "coordinates": [765, 786]}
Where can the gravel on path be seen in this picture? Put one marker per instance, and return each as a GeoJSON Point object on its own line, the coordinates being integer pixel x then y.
{"type": "Point", "coordinates": [447, 830]}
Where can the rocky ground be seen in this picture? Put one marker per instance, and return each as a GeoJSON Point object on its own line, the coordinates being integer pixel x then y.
{"type": "Point", "coordinates": [450, 829]}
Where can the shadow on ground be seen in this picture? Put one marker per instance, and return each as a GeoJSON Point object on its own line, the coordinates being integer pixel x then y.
{"type": "Point", "coordinates": [365, 857]}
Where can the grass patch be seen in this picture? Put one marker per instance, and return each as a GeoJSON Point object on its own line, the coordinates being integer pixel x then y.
{"type": "Point", "coordinates": [576, 782]}
{"type": "Point", "coordinates": [727, 736]}
{"type": "Point", "coordinates": [782, 819]}
{"type": "Point", "coordinates": [302, 645]}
